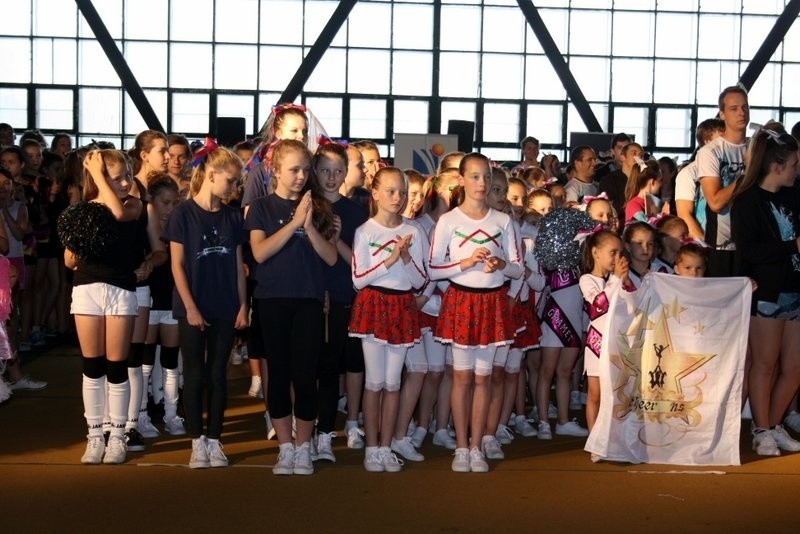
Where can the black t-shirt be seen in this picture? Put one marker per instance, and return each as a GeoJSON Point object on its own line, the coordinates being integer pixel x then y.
{"type": "Point", "coordinates": [339, 279]}
{"type": "Point", "coordinates": [613, 184]}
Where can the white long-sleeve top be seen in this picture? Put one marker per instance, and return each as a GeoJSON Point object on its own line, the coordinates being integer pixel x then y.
{"type": "Point", "coordinates": [372, 245]}
{"type": "Point", "coordinates": [521, 287]}
{"type": "Point", "coordinates": [457, 236]}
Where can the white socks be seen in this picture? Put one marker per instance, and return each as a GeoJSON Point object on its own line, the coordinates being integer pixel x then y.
{"type": "Point", "coordinates": [135, 400]}
{"type": "Point", "coordinates": [170, 393]}
{"type": "Point", "coordinates": [94, 402]}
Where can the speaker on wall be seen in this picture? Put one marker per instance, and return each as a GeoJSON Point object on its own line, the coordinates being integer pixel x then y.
{"type": "Point", "coordinates": [465, 130]}
{"type": "Point", "coordinates": [229, 130]}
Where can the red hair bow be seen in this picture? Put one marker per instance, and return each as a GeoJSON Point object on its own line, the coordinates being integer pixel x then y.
{"type": "Point", "coordinates": [209, 144]}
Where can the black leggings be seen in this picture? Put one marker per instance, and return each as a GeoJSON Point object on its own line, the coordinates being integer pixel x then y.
{"type": "Point", "coordinates": [292, 330]}
{"type": "Point", "coordinates": [205, 363]}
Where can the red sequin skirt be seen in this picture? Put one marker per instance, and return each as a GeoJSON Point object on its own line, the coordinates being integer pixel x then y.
{"type": "Point", "coordinates": [427, 323]}
{"type": "Point", "coordinates": [388, 316]}
{"type": "Point", "coordinates": [530, 334]}
{"type": "Point", "coordinates": [475, 318]}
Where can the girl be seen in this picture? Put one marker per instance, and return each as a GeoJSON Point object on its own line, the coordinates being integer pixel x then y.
{"type": "Point", "coordinates": [61, 144]}
{"type": "Point", "coordinates": [672, 232]}
{"type": "Point", "coordinates": [691, 259]}
{"type": "Point", "coordinates": [764, 217]}
{"type": "Point", "coordinates": [292, 234]}
{"type": "Point", "coordinates": [516, 197]}
{"type": "Point", "coordinates": [416, 194]}
{"type": "Point", "coordinates": [339, 350]}
{"type": "Point", "coordinates": [104, 305]}
{"type": "Point", "coordinates": [644, 184]}
{"type": "Point", "coordinates": [150, 153]}
{"type": "Point", "coordinates": [605, 270]}
{"type": "Point", "coordinates": [206, 256]}
{"type": "Point", "coordinates": [387, 264]}
{"type": "Point", "coordinates": [551, 167]}
{"type": "Point", "coordinates": [600, 210]}
{"type": "Point", "coordinates": [180, 154]}
{"type": "Point", "coordinates": [534, 178]}
{"type": "Point", "coordinates": [539, 203]}
{"type": "Point", "coordinates": [640, 244]}
{"type": "Point", "coordinates": [476, 248]}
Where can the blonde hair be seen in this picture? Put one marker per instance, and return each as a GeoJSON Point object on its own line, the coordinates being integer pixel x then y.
{"type": "Point", "coordinates": [376, 183]}
{"type": "Point", "coordinates": [219, 159]}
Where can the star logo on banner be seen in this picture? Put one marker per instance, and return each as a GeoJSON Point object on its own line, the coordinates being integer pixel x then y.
{"type": "Point", "coordinates": [699, 328]}
{"type": "Point", "coordinates": [673, 309]}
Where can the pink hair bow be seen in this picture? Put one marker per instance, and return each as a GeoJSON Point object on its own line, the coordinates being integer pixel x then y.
{"type": "Point", "coordinates": [588, 199]}
{"type": "Point", "coordinates": [582, 235]}
{"type": "Point", "coordinates": [280, 108]}
{"type": "Point", "coordinates": [550, 181]}
{"type": "Point", "coordinates": [694, 241]}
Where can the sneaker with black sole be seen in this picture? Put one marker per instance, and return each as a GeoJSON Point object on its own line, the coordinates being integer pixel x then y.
{"type": "Point", "coordinates": [134, 441]}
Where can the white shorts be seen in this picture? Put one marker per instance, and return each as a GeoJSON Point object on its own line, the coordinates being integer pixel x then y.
{"type": "Point", "coordinates": [435, 353]}
{"type": "Point", "coordinates": [501, 356]}
{"type": "Point", "coordinates": [514, 361]}
{"type": "Point", "coordinates": [477, 359]}
{"type": "Point", "coordinates": [161, 317]}
{"type": "Point", "coordinates": [102, 299]}
{"type": "Point", "coordinates": [143, 299]}
{"type": "Point", "coordinates": [416, 360]}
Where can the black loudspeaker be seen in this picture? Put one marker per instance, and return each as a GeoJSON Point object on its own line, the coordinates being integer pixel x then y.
{"type": "Point", "coordinates": [466, 134]}
{"type": "Point", "coordinates": [229, 130]}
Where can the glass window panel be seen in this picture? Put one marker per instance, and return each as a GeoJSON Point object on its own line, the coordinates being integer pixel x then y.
{"type": "Point", "coordinates": [16, 19]}
{"type": "Point", "coordinates": [592, 75]}
{"type": "Point", "coordinates": [94, 68]}
{"type": "Point", "coordinates": [707, 112]}
{"type": "Point", "coordinates": [553, 3]}
{"type": "Point", "coordinates": [541, 80]}
{"type": "Point", "coordinates": [545, 123]}
{"type": "Point", "coordinates": [457, 111]}
{"type": "Point", "coordinates": [329, 75]}
{"type": "Point", "coordinates": [237, 106]}
{"type": "Point", "coordinates": [115, 141]}
{"type": "Point", "coordinates": [110, 12]}
{"type": "Point", "coordinates": [368, 71]}
{"type": "Point", "coordinates": [632, 121]}
{"type": "Point", "coordinates": [410, 116]}
{"type": "Point", "coordinates": [720, 6]}
{"type": "Point", "coordinates": [557, 22]}
{"type": "Point", "coordinates": [500, 123]}
{"type": "Point", "coordinates": [53, 18]}
{"type": "Point", "coordinates": [719, 37]}
{"type": "Point", "coordinates": [236, 21]}
{"type": "Point", "coordinates": [574, 121]}
{"type": "Point", "coordinates": [765, 7]}
{"type": "Point", "coordinates": [675, 81]}
{"type": "Point", "coordinates": [369, 24]}
{"type": "Point", "coordinates": [328, 112]}
{"type": "Point", "coordinates": [791, 81]}
{"type": "Point", "coordinates": [411, 73]}
{"type": "Point", "coordinates": [790, 118]}
{"type": "Point", "coordinates": [134, 123]}
{"type": "Point", "coordinates": [766, 90]}
{"type": "Point", "coordinates": [633, 34]}
{"type": "Point", "coordinates": [100, 110]}
{"type": "Point", "coordinates": [631, 80]}
{"type": "Point", "coordinates": [420, 18]}
{"type": "Point", "coordinates": [676, 35]}
{"type": "Point", "coordinates": [673, 127]}
{"type": "Point", "coordinates": [592, 3]}
{"type": "Point", "coordinates": [600, 111]}
{"type": "Point", "coordinates": [15, 60]}
{"type": "Point", "coordinates": [186, 23]}
{"type": "Point", "coordinates": [501, 154]}
{"type": "Point", "coordinates": [290, 29]}
{"type": "Point", "coordinates": [754, 31]}
{"type": "Point", "coordinates": [54, 61]}
{"type": "Point", "coordinates": [146, 19]}
{"type": "Point", "coordinates": [458, 74]}
{"type": "Point", "coordinates": [678, 5]}
{"type": "Point", "coordinates": [367, 119]}
{"type": "Point", "coordinates": [14, 107]}
{"type": "Point", "coordinates": [590, 33]}
{"type": "Point", "coordinates": [190, 113]}
{"type": "Point", "coordinates": [316, 16]}
{"type": "Point", "coordinates": [148, 62]}
{"type": "Point", "coordinates": [461, 28]}
{"type": "Point", "coordinates": [713, 77]}
{"type": "Point", "coordinates": [762, 116]}
{"type": "Point", "coordinates": [190, 65]}
{"type": "Point", "coordinates": [502, 76]}
{"type": "Point", "coordinates": [635, 4]}
{"type": "Point", "coordinates": [54, 109]}
{"type": "Point", "coordinates": [503, 29]}
{"type": "Point", "coordinates": [234, 67]}
{"type": "Point", "coordinates": [277, 65]}
{"type": "Point", "coordinates": [791, 43]}
{"type": "Point", "coordinates": [265, 103]}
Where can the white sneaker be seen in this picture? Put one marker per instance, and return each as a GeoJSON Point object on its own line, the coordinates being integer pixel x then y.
{"type": "Point", "coordinates": [571, 428]}
{"type": "Point", "coordinates": [491, 449]}
{"type": "Point", "coordinates": [95, 447]}
{"type": "Point", "coordinates": [324, 446]}
{"type": "Point", "coordinates": [302, 460]}
{"type": "Point", "coordinates": [115, 450]}
{"type": "Point", "coordinates": [285, 463]}
{"type": "Point", "coordinates": [524, 427]}
{"type": "Point", "coordinates": [793, 421]}
{"type": "Point", "coordinates": [355, 438]}
{"type": "Point", "coordinates": [764, 443]}
{"type": "Point", "coordinates": [216, 457]}
{"type": "Point", "coordinates": [199, 458]}
{"type": "Point", "coordinates": [784, 441]}
{"type": "Point", "coordinates": [544, 432]}
{"type": "Point", "coordinates": [255, 388]}
{"type": "Point", "coordinates": [460, 459]}
{"type": "Point", "coordinates": [411, 427]}
{"type": "Point", "coordinates": [26, 383]}
{"type": "Point", "coordinates": [534, 415]}
{"type": "Point", "coordinates": [236, 356]}
{"type": "Point", "coordinates": [271, 433]}
{"type": "Point", "coordinates": [552, 411]}
{"type": "Point", "coordinates": [391, 463]}
{"type": "Point", "coordinates": [174, 426]}
{"type": "Point", "coordinates": [418, 437]}
{"type": "Point", "coordinates": [145, 426]}
{"type": "Point", "coordinates": [575, 400]}
{"type": "Point", "coordinates": [504, 435]}
{"type": "Point", "coordinates": [406, 449]}
{"type": "Point", "coordinates": [341, 404]}
{"type": "Point", "coordinates": [477, 462]}
{"type": "Point", "coordinates": [442, 438]}
{"type": "Point", "coordinates": [373, 461]}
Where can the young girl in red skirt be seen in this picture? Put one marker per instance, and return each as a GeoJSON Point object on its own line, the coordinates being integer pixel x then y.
{"type": "Point", "coordinates": [477, 248]}
{"type": "Point", "coordinates": [387, 263]}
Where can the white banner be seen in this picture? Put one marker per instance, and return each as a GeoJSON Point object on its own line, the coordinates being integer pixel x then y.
{"type": "Point", "coordinates": [671, 371]}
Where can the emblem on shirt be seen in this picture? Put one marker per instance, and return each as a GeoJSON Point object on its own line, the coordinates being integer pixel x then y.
{"type": "Point", "coordinates": [213, 243]}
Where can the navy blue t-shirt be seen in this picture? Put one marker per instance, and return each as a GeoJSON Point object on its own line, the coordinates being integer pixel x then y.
{"type": "Point", "coordinates": [209, 241]}
{"type": "Point", "coordinates": [339, 279]}
{"type": "Point", "coordinates": [296, 271]}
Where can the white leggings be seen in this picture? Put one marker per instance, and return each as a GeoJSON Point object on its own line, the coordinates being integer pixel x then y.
{"type": "Point", "coordinates": [383, 365]}
{"type": "Point", "coordinates": [478, 359]}
{"type": "Point", "coordinates": [416, 360]}
{"type": "Point", "coordinates": [434, 352]}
